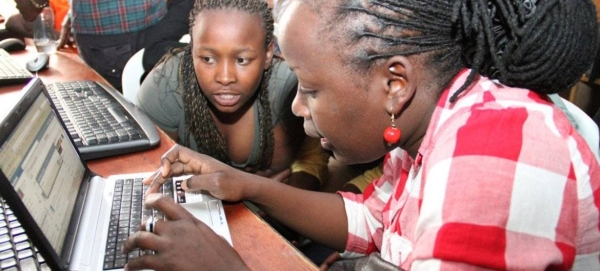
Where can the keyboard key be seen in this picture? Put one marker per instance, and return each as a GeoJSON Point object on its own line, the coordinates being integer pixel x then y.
{"type": "Point", "coordinates": [120, 263]}
{"type": "Point", "coordinates": [17, 231]}
{"type": "Point", "coordinates": [22, 245]}
{"type": "Point", "coordinates": [6, 254]}
{"type": "Point", "coordinates": [112, 136]}
{"type": "Point", "coordinates": [133, 254]}
{"type": "Point", "coordinates": [7, 263]}
{"type": "Point", "coordinates": [5, 246]}
{"type": "Point", "coordinates": [25, 253]}
{"type": "Point", "coordinates": [109, 265]}
{"type": "Point", "coordinates": [28, 264]}
{"type": "Point", "coordinates": [122, 134]}
{"type": "Point", "coordinates": [20, 238]}
{"type": "Point", "coordinates": [117, 114]}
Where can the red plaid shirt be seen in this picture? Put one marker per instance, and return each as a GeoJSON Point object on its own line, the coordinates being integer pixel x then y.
{"type": "Point", "coordinates": [502, 181]}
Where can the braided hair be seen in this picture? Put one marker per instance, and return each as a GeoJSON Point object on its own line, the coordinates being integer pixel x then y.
{"type": "Point", "coordinates": [198, 121]}
{"type": "Point", "coordinates": [542, 45]}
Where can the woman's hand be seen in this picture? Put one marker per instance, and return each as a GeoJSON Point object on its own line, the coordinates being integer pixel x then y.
{"type": "Point", "coordinates": [181, 242]}
{"type": "Point", "coordinates": [332, 258]}
{"type": "Point", "coordinates": [220, 180]}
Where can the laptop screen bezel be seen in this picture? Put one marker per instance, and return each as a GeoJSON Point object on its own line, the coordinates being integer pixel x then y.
{"type": "Point", "coordinates": [56, 260]}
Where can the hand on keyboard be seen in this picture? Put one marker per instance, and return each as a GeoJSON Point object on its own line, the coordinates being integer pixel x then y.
{"type": "Point", "coordinates": [220, 180]}
{"type": "Point", "coordinates": [181, 242]}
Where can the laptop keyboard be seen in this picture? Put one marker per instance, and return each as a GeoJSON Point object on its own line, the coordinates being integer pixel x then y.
{"type": "Point", "coordinates": [16, 250]}
{"type": "Point", "coordinates": [10, 71]}
{"type": "Point", "coordinates": [127, 214]}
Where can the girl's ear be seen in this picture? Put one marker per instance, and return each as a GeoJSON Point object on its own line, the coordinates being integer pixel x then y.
{"type": "Point", "coordinates": [270, 52]}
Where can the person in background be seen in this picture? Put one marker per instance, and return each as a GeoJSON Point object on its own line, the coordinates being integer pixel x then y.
{"type": "Point", "coordinates": [20, 25]}
{"type": "Point", "coordinates": [170, 30]}
{"type": "Point", "coordinates": [108, 33]}
{"type": "Point", "coordinates": [481, 171]}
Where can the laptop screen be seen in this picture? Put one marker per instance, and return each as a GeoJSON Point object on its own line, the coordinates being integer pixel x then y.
{"type": "Point", "coordinates": [42, 165]}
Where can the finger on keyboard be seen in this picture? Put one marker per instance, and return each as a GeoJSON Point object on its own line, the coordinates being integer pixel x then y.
{"type": "Point", "coordinates": [155, 181]}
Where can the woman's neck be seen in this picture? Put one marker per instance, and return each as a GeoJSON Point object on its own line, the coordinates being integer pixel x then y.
{"type": "Point", "coordinates": [416, 119]}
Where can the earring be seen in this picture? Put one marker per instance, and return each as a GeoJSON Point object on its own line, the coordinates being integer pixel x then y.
{"type": "Point", "coordinates": [391, 134]}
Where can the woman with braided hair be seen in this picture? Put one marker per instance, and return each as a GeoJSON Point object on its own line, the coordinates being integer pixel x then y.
{"type": "Point", "coordinates": [482, 171]}
{"type": "Point", "coordinates": [227, 97]}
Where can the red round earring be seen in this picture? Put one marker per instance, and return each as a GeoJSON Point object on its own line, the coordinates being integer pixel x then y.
{"type": "Point", "coordinates": [391, 134]}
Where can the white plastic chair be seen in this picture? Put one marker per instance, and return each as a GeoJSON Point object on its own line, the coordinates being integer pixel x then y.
{"type": "Point", "coordinates": [132, 73]}
{"type": "Point", "coordinates": [586, 126]}
{"type": "Point", "coordinates": [185, 38]}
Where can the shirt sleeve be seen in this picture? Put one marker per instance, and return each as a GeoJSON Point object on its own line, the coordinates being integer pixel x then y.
{"type": "Point", "coordinates": [365, 212]}
{"type": "Point", "coordinates": [491, 200]}
{"type": "Point", "coordinates": [159, 98]}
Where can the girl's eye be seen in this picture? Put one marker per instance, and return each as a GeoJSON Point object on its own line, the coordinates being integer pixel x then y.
{"type": "Point", "coordinates": [242, 61]}
{"type": "Point", "coordinates": [207, 59]}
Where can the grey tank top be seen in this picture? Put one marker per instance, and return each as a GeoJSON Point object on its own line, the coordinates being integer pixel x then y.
{"type": "Point", "coordinates": [159, 98]}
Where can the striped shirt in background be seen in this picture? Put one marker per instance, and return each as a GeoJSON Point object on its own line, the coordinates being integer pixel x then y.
{"type": "Point", "coordinates": [502, 181]}
{"type": "Point", "coordinates": [106, 17]}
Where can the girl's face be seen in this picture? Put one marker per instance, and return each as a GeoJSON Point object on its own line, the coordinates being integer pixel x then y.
{"type": "Point", "coordinates": [230, 56]}
{"type": "Point", "coordinates": [335, 104]}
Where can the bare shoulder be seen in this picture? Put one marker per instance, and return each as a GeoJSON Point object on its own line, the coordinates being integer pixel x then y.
{"type": "Point", "coordinates": [284, 149]}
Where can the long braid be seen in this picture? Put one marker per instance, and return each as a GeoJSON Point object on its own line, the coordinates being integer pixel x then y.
{"type": "Point", "coordinates": [267, 141]}
{"type": "Point", "coordinates": [199, 122]}
{"type": "Point", "coordinates": [538, 45]}
{"type": "Point", "coordinates": [378, 29]}
{"type": "Point", "coordinates": [542, 45]}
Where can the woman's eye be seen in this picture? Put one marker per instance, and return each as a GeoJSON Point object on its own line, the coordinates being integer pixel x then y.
{"type": "Point", "coordinates": [310, 92]}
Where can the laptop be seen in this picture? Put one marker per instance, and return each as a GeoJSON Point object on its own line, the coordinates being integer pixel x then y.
{"type": "Point", "coordinates": [66, 210]}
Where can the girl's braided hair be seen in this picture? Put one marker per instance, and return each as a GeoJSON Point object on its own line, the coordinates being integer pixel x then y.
{"type": "Point", "coordinates": [198, 121]}
{"type": "Point", "coordinates": [542, 45]}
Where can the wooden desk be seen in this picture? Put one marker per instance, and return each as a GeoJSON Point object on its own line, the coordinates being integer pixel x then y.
{"type": "Point", "coordinates": [259, 245]}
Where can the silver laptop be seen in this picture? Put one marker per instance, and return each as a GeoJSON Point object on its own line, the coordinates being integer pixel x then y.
{"type": "Point", "coordinates": [76, 219]}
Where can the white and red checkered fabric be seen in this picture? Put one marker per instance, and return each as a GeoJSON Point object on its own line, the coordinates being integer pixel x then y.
{"type": "Point", "coordinates": [502, 181]}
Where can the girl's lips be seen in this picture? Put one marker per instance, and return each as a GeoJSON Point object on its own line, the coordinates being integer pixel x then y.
{"type": "Point", "coordinates": [227, 99]}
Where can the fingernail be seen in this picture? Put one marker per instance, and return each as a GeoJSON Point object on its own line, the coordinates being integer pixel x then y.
{"type": "Point", "coordinates": [152, 197]}
{"type": "Point", "coordinates": [184, 184]}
